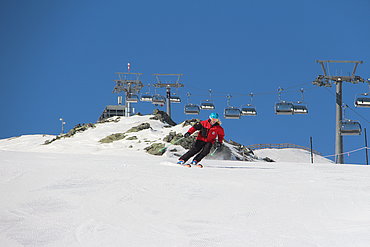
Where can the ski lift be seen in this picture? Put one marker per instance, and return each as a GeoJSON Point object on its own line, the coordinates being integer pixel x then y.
{"type": "Point", "coordinates": [175, 99]}
{"type": "Point", "coordinates": [283, 107]}
{"type": "Point", "coordinates": [231, 112]}
{"type": "Point", "coordinates": [299, 108]}
{"type": "Point", "coordinates": [191, 109]}
{"type": "Point", "coordinates": [132, 98]}
{"type": "Point", "coordinates": [207, 104]}
{"type": "Point", "coordinates": [249, 109]}
{"type": "Point", "coordinates": [158, 99]}
{"type": "Point", "coordinates": [363, 101]}
{"type": "Point", "coordinates": [147, 97]}
{"type": "Point", "coordinates": [349, 127]}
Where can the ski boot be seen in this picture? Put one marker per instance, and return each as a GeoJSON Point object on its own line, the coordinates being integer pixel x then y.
{"type": "Point", "coordinates": [182, 163]}
{"type": "Point", "coordinates": [195, 163]}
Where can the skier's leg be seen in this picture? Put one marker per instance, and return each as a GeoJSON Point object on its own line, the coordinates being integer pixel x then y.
{"type": "Point", "coordinates": [198, 145]}
{"type": "Point", "coordinates": [205, 151]}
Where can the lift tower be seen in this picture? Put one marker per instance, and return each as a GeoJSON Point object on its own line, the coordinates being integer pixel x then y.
{"type": "Point", "coordinates": [130, 84]}
{"type": "Point", "coordinates": [326, 80]}
{"type": "Point", "coordinates": [168, 81]}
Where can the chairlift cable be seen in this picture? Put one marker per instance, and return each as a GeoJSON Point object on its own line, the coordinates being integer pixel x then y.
{"type": "Point", "coordinates": [366, 120]}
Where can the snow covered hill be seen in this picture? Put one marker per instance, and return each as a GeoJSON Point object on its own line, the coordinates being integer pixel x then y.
{"type": "Point", "coordinates": [78, 191]}
{"type": "Point", "coordinates": [88, 140]}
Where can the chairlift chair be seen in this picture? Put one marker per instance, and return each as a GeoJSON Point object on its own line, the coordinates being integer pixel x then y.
{"type": "Point", "coordinates": [175, 99]}
{"type": "Point", "coordinates": [284, 108]}
{"type": "Point", "coordinates": [207, 105]}
{"type": "Point", "coordinates": [300, 109]}
{"type": "Point", "coordinates": [146, 98]}
{"type": "Point", "coordinates": [132, 98]}
{"type": "Point", "coordinates": [158, 99]}
{"type": "Point", "coordinates": [362, 101]}
{"type": "Point", "coordinates": [249, 110]}
{"type": "Point", "coordinates": [191, 109]}
{"type": "Point", "coordinates": [349, 127]}
{"type": "Point", "coordinates": [232, 113]}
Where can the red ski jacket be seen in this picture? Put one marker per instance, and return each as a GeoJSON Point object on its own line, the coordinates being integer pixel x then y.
{"type": "Point", "coordinates": [208, 132]}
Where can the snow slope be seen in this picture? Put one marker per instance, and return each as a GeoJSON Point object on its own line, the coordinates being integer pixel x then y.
{"type": "Point", "coordinates": [75, 193]}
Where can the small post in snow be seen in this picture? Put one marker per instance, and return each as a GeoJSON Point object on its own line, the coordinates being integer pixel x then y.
{"type": "Point", "coordinates": [367, 156]}
{"type": "Point", "coordinates": [311, 149]}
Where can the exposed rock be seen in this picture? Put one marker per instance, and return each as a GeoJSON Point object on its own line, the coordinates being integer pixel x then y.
{"type": "Point", "coordinates": [131, 138]}
{"type": "Point", "coordinates": [113, 137]}
{"type": "Point", "coordinates": [138, 128]}
{"type": "Point", "coordinates": [109, 120]}
{"type": "Point", "coordinates": [178, 139]}
{"type": "Point", "coordinates": [156, 149]}
{"type": "Point", "coordinates": [163, 117]}
{"type": "Point", "coordinates": [190, 122]}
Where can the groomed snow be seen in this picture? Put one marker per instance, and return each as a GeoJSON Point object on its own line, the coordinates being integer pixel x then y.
{"type": "Point", "coordinates": [75, 192]}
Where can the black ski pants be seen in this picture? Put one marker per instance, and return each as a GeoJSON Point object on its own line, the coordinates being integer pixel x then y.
{"type": "Point", "coordinates": [200, 148]}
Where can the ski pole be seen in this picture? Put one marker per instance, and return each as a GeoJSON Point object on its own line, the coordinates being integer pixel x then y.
{"type": "Point", "coordinates": [214, 151]}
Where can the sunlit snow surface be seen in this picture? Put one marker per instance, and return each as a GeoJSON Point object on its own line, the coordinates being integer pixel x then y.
{"type": "Point", "coordinates": [78, 192]}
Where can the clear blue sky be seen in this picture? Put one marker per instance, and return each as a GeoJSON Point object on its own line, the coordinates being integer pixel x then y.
{"type": "Point", "coordinates": [58, 59]}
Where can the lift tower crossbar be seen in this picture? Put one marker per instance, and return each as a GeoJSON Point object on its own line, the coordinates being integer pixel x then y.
{"type": "Point", "coordinates": [168, 84]}
{"type": "Point", "coordinates": [326, 80]}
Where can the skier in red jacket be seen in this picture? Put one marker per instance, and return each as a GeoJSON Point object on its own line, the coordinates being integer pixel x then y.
{"type": "Point", "coordinates": [209, 130]}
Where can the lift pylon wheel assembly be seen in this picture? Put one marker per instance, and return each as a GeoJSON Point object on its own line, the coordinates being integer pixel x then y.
{"type": "Point", "coordinates": [169, 81]}
{"type": "Point", "coordinates": [327, 80]}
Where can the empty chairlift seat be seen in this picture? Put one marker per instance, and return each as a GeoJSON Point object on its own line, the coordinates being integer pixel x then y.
{"type": "Point", "coordinates": [248, 111]}
{"type": "Point", "coordinates": [146, 98]}
{"type": "Point", "coordinates": [175, 99]}
{"type": "Point", "coordinates": [300, 109]}
{"type": "Point", "coordinates": [284, 108]}
{"type": "Point", "coordinates": [132, 98]}
{"type": "Point", "coordinates": [362, 102]}
{"type": "Point", "coordinates": [349, 127]}
{"type": "Point", "coordinates": [232, 113]}
{"type": "Point", "coordinates": [191, 109]}
{"type": "Point", "coordinates": [207, 105]}
{"type": "Point", "coordinates": [158, 99]}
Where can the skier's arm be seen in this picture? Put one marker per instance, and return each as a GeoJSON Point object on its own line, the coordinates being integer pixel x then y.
{"type": "Point", "coordinates": [221, 135]}
{"type": "Point", "coordinates": [195, 127]}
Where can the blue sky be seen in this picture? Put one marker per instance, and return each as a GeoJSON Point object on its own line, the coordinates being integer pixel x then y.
{"type": "Point", "coordinates": [59, 58]}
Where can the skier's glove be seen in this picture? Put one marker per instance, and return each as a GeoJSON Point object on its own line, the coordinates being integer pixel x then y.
{"type": "Point", "coordinates": [218, 145]}
{"type": "Point", "coordinates": [187, 134]}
